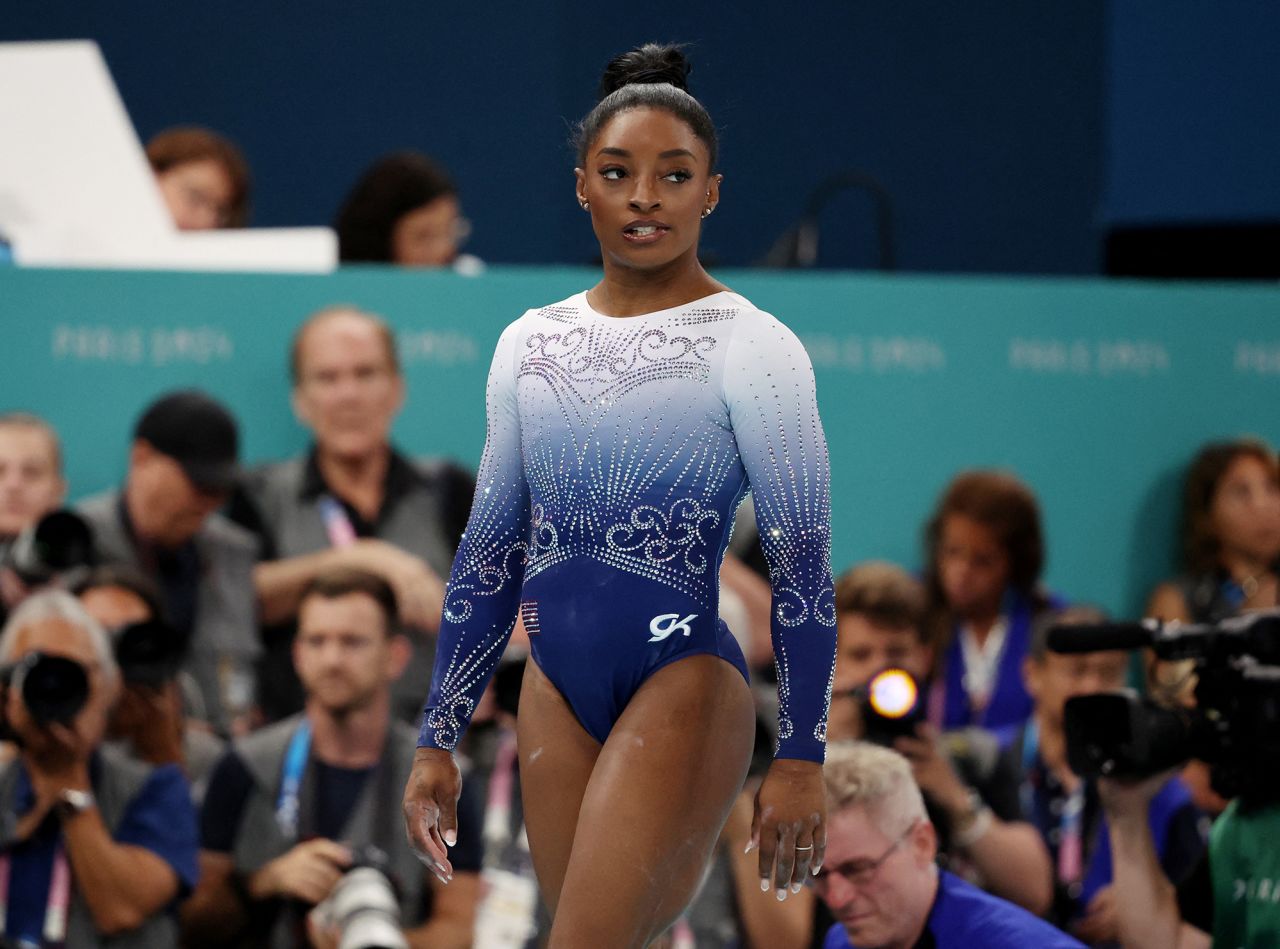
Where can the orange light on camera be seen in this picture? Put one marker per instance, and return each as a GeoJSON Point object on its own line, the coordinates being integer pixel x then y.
{"type": "Point", "coordinates": [893, 693]}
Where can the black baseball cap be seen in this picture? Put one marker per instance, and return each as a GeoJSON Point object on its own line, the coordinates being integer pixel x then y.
{"type": "Point", "coordinates": [196, 432]}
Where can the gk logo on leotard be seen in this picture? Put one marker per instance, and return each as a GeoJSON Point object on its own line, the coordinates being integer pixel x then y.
{"type": "Point", "coordinates": [666, 624]}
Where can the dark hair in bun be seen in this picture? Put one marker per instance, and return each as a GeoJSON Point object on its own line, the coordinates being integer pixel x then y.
{"type": "Point", "coordinates": [654, 76]}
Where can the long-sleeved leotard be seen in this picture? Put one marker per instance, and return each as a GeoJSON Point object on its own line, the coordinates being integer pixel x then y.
{"type": "Point", "coordinates": [617, 452]}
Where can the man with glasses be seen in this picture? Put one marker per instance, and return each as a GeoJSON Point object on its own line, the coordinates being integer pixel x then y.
{"type": "Point", "coordinates": [879, 877]}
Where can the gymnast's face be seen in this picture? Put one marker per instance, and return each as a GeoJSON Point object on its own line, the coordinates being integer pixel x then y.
{"type": "Point", "coordinates": [646, 181]}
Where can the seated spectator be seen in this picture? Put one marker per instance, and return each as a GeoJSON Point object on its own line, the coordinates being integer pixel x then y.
{"type": "Point", "coordinates": [1066, 808]}
{"type": "Point", "coordinates": [149, 722]}
{"type": "Point", "coordinates": [984, 553]}
{"type": "Point", "coordinates": [182, 464]}
{"type": "Point", "coordinates": [96, 847]}
{"type": "Point", "coordinates": [1231, 563]}
{"type": "Point", "coordinates": [971, 795]}
{"type": "Point", "coordinates": [31, 486]}
{"type": "Point", "coordinates": [878, 875]}
{"type": "Point", "coordinates": [1230, 536]}
{"type": "Point", "coordinates": [404, 210]}
{"type": "Point", "coordinates": [203, 178]}
{"type": "Point", "coordinates": [290, 805]}
{"type": "Point", "coordinates": [353, 500]}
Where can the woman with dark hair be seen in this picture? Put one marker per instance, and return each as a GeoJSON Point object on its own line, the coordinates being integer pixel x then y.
{"type": "Point", "coordinates": [625, 425]}
{"type": "Point", "coordinates": [984, 551]}
{"type": "Point", "coordinates": [203, 178]}
{"type": "Point", "coordinates": [1230, 536]}
{"type": "Point", "coordinates": [404, 210]}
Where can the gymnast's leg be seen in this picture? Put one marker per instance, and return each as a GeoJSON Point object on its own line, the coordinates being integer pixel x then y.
{"type": "Point", "coordinates": [556, 758]}
{"type": "Point", "coordinates": [657, 798]}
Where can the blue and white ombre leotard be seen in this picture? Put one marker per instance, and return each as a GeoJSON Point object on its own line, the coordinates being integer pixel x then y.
{"type": "Point", "coordinates": [618, 450]}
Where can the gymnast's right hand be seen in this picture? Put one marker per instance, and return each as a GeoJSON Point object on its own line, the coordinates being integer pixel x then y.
{"type": "Point", "coordinates": [431, 809]}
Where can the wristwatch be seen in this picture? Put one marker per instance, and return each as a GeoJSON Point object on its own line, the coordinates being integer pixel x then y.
{"type": "Point", "coordinates": [72, 802]}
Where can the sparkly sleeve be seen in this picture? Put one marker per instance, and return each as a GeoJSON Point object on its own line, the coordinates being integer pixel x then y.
{"type": "Point", "coordinates": [772, 400]}
{"type": "Point", "coordinates": [483, 593]}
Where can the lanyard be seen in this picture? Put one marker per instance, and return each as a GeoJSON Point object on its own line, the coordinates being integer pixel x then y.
{"type": "Point", "coordinates": [336, 523]}
{"type": "Point", "coordinates": [1070, 821]}
{"type": "Point", "coordinates": [54, 931]}
{"type": "Point", "coordinates": [288, 803]}
{"type": "Point", "coordinates": [497, 818]}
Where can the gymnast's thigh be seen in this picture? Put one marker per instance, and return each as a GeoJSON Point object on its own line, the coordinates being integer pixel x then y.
{"type": "Point", "coordinates": [661, 790]}
{"type": "Point", "coordinates": [556, 759]}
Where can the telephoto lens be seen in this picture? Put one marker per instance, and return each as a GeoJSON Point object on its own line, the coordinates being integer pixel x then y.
{"type": "Point", "coordinates": [53, 688]}
{"type": "Point", "coordinates": [150, 653]}
{"type": "Point", "coordinates": [363, 905]}
{"type": "Point", "coordinates": [58, 542]}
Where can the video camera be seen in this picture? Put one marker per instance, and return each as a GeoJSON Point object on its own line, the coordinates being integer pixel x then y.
{"type": "Point", "coordinates": [1234, 725]}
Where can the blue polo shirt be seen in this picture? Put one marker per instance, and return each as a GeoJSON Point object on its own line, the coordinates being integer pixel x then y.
{"type": "Point", "coordinates": [964, 916]}
{"type": "Point", "coordinates": [160, 818]}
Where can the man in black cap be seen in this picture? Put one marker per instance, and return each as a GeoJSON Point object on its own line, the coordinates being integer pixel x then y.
{"type": "Point", "coordinates": [182, 464]}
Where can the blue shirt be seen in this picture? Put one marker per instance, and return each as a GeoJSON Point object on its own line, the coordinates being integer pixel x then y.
{"type": "Point", "coordinates": [965, 917]}
{"type": "Point", "coordinates": [160, 818]}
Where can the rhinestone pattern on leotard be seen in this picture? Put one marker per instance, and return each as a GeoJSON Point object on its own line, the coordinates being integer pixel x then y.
{"type": "Point", "coordinates": [630, 442]}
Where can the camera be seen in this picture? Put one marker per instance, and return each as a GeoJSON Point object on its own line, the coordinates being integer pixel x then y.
{"type": "Point", "coordinates": [53, 688]}
{"type": "Point", "coordinates": [1234, 725]}
{"type": "Point", "coordinates": [150, 652]}
{"type": "Point", "coordinates": [892, 706]}
{"type": "Point", "coordinates": [363, 906]}
{"type": "Point", "coordinates": [60, 541]}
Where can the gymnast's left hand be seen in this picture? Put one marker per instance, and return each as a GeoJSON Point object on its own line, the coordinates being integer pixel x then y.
{"type": "Point", "coordinates": [431, 809]}
{"type": "Point", "coordinates": [790, 825]}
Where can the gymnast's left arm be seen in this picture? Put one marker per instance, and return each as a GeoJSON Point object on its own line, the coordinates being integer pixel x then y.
{"type": "Point", "coordinates": [772, 399]}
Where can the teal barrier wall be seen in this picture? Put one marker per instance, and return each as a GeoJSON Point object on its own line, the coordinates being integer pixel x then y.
{"type": "Point", "coordinates": [1095, 393]}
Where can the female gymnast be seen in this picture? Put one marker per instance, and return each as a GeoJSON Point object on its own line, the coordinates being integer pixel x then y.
{"type": "Point", "coordinates": [624, 426]}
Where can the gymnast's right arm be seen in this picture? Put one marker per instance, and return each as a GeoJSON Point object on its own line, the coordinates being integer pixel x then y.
{"type": "Point", "coordinates": [479, 612]}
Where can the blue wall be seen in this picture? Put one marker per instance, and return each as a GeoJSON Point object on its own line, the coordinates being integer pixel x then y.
{"type": "Point", "coordinates": [983, 119]}
{"type": "Point", "coordinates": [1193, 120]}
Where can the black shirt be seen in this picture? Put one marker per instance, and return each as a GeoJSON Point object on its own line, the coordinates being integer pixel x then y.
{"type": "Point", "coordinates": [337, 790]}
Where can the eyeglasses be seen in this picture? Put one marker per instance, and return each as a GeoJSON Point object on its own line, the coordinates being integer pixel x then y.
{"type": "Point", "coordinates": [861, 872]}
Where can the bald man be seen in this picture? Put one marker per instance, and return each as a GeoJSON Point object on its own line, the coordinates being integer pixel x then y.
{"type": "Point", "coordinates": [353, 500]}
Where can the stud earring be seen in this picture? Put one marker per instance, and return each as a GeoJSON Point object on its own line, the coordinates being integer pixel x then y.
{"type": "Point", "coordinates": [707, 211]}
{"type": "Point", "coordinates": [585, 205]}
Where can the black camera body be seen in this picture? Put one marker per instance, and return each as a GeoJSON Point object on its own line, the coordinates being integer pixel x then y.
{"type": "Point", "coordinates": [54, 688]}
{"type": "Point", "coordinates": [60, 541]}
{"type": "Point", "coordinates": [1234, 726]}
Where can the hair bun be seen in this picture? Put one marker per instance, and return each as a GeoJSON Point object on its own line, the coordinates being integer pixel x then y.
{"type": "Point", "coordinates": [653, 62]}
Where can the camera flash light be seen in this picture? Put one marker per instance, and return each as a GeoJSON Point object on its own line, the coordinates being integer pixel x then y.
{"type": "Point", "coordinates": [893, 693]}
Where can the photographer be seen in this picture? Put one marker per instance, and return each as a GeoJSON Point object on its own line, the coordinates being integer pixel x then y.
{"type": "Point", "coordinates": [1064, 806]}
{"type": "Point", "coordinates": [1232, 891]}
{"type": "Point", "coordinates": [96, 848]}
{"type": "Point", "coordinates": [31, 486]}
{"type": "Point", "coordinates": [970, 793]}
{"type": "Point", "coordinates": [1151, 913]}
{"type": "Point", "coordinates": [293, 807]}
{"type": "Point", "coordinates": [149, 721]}
{"type": "Point", "coordinates": [164, 522]}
